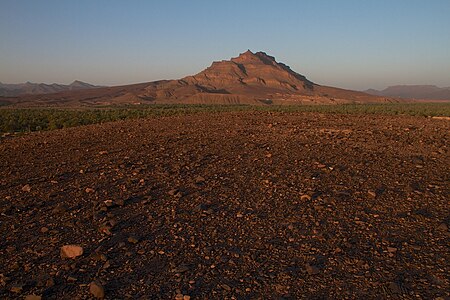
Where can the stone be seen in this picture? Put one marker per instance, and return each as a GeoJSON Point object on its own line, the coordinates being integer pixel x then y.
{"type": "Point", "coordinates": [391, 249]}
{"type": "Point", "coordinates": [312, 270]}
{"type": "Point", "coordinates": [71, 251]}
{"type": "Point", "coordinates": [305, 197]}
{"type": "Point", "coordinates": [173, 192]}
{"type": "Point", "coordinates": [97, 290]}
{"type": "Point", "coordinates": [133, 240]}
{"type": "Point", "coordinates": [372, 194]}
{"type": "Point", "coordinates": [89, 190]}
{"type": "Point", "coordinates": [394, 288]}
{"type": "Point", "coordinates": [442, 227]}
{"type": "Point", "coordinates": [26, 188]}
{"type": "Point", "coordinates": [119, 202]}
{"type": "Point", "coordinates": [33, 297]}
{"type": "Point", "coordinates": [16, 289]}
{"type": "Point", "coordinates": [199, 180]}
{"type": "Point", "coordinates": [108, 203]}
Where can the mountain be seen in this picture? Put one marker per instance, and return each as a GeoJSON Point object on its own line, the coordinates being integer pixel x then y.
{"type": "Point", "coordinates": [422, 92]}
{"type": "Point", "coordinates": [250, 78]}
{"type": "Point", "coordinates": [12, 90]}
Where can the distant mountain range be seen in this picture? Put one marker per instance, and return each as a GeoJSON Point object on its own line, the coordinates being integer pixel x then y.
{"type": "Point", "coordinates": [29, 88]}
{"type": "Point", "coordinates": [421, 92]}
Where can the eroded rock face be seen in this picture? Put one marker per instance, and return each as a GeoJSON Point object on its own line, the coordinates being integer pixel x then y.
{"type": "Point", "coordinates": [248, 71]}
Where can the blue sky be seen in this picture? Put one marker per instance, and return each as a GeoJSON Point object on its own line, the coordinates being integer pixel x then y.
{"type": "Point", "coordinates": [355, 44]}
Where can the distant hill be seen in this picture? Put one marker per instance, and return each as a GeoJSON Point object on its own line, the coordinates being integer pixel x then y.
{"type": "Point", "coordinates": [250, 78]}
{"type": "Point", "coordinates": [422, 92]}
{"type": "Point", "coordinates": [28, 88]}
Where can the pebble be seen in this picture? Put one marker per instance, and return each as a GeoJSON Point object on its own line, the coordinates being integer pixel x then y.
{"type": "Point", "coordinates": [44, 229]}
{"type": "Point", "coordinates": [89, 190]}
{"type": "Point", "coordinates": [119, 202]}
{"type": "Point", "coordinates": [108, 203]}
{"type": "Point", "coordinates": [26, 188]}
{"type": "Point", "coordinates": [312, 270]}
{"type": "Point", "coordinates": [33, 297]}
{"type": "Point", "coordinates": [391, 249]}
{"type": "Point", "coordinates": [395, 289]}
{"type": "Point", "coordinates": [199, 180]}
{"type": "Point", "coordinates": [133, 240]}
{"type": "Point", "coordinates": [443, 227]}
{"type": "Point", "coordinates": [71, 251]}
{"type": "Point", "coordinates": [372, 194]}
{"type": "Point", "coordinates": [16, 289]}
{"type": "Point", "coordinates": [97, 290]}
{"type": "Point", "coordinates": [305, 197]}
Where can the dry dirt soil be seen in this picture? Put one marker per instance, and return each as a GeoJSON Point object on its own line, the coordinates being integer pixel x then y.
{"type": "Point", "coordinates": [229, 206]}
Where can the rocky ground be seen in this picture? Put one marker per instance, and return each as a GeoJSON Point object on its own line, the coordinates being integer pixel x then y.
{"type": "Point", "coordinates": [228, 206]}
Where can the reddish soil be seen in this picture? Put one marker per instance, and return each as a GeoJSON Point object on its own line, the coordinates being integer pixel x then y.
{"type": "Point", "coordinates": [229, 206]}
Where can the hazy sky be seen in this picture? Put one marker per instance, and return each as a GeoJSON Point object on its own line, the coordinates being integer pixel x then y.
{"type": "Point", "coordinates": [356, 44]}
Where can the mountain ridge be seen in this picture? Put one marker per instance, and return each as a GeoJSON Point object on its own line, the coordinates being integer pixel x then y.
{"type": "Point", "coordinates": [422, 92]}
{"type": "Point", "coordinates": [18, 89]}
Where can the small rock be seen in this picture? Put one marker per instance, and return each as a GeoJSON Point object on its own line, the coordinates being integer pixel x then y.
{"type": "Point", "coordinates": [50, 282]}
{"type": "Point", "coordinates": [16, 289]}
{"type": "Point", "coordinates": [33, 297]}
{"type": "Point", "coordinates": [395, 289]}
{"type": "Point", "coordinates": [239, 215]}
{"type": "Point", "coordinates": [443, 227]}
{"type": "Point", "coordinates": [89, 190]}
{"type": "Point", "coordinates": [108, 203]}
{"type": "Point", "coordinates": [391, 249]}
{"type": "Point", "coordinates": [269, 155]}
{"type": "Point", "coordinates": [119, 202]}
{"type": "Point", "coordinates": [105, 229]}
{"type": "Point", "coordinates": [372, 194]}
{"type": "Point", "coordinates": [97, 290]}
{"type": "Point", "coordinates": [176, 193]}
{"type": "Point", "coordinates": [305, 197]}
{"type": "Point", "coordinates": [199, 180]}
{"type": "Point", "coordinates": [133, 240]}
{"type": "Point", "coordinates": [321, 166]}
{"type": "Point", "coordinates": [59, 209]}
{"type": "Point", "coordinates": [172, 192]}
{"type": "Point", "coordinates": [312, 270]}
{"type": "Point", "coordinates": [26, 188]}
{"type": "Point", "coordinates": [71, 251]}
{"type": "Point", "coordinates": [181, 269]}
{"type": "Point", "coordinates": [44, 229]}
{"type": "Point", "coordinates": [103, 152]}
